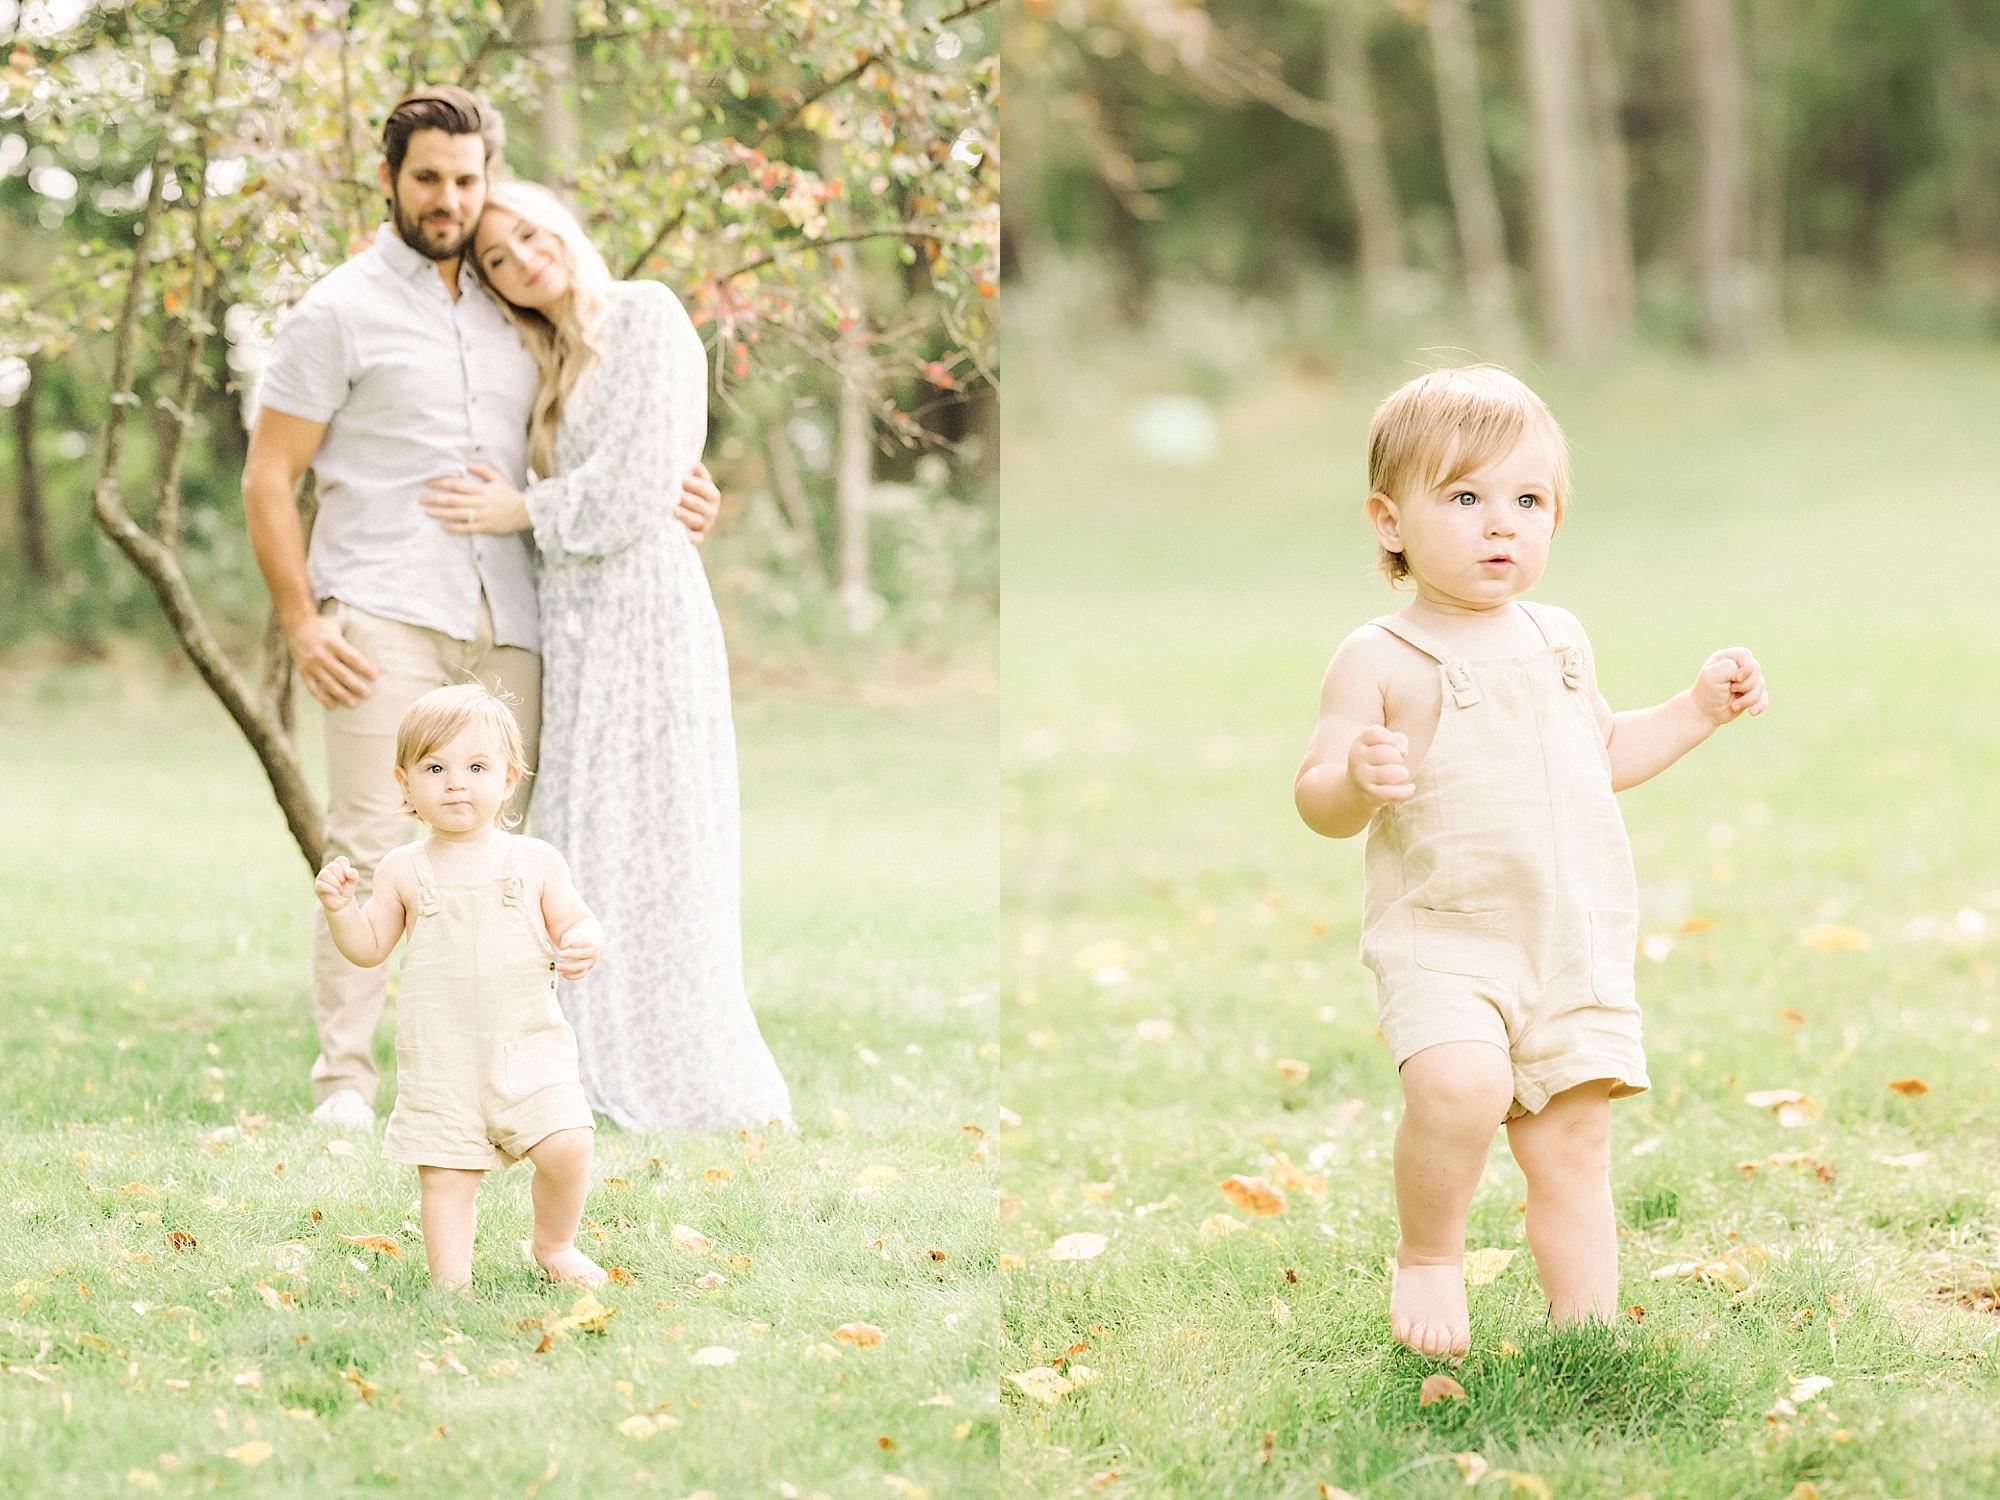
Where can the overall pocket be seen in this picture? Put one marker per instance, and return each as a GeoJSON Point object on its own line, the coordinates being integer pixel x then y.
{"type": "Point", "coordinates": [1614, 943]}
{"type": "Point", "coordinates": [1473, 943]}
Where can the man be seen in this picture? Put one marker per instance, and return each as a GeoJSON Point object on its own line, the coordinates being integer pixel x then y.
{"type": "Point", "coordinates": [392, 370]}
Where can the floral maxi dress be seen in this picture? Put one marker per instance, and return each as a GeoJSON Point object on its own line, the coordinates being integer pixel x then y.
{"type": "Point", "coordinates": [637, 781]}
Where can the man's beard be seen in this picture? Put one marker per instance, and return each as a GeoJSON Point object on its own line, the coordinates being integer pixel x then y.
{"type": "Point", "coordinates": [412, 234]}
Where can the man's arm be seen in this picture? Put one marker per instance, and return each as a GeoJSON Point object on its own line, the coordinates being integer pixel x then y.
{"type": "Point", "coordinates": [281, 449]}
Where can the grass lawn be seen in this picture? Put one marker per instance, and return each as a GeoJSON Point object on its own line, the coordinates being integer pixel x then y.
{"type": "Point", "coordinates": [187, 1313]}
{"type": "Point", "coordinates": [1821, 890]}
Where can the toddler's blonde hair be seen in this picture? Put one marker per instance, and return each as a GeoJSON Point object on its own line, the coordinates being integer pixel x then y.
{"type": "Point", "coordinates": [438, 718]}
{"type": "Point", "coordinates": [1449, 423]}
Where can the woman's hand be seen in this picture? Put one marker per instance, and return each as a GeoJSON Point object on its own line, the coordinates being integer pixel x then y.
{"type": "Point", "coordinates": [699, 504]}
{"type": "Point", "coordinates": [486, 503]}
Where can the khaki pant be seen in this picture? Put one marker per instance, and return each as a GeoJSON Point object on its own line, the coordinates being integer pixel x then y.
{"type": "Point", "coordinates": [364, 816]}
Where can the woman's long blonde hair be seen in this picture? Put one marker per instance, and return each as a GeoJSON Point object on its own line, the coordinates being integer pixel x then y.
{"type": "Point", "coordinates": [563, 340]}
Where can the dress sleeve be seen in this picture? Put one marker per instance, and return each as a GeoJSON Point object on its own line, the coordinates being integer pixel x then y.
{"type": "Point", "coordinates": [650, 415]}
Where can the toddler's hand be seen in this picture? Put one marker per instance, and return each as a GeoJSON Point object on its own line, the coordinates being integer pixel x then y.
{"type": "Point", "coordinates": [1375, 766]}
{"type": "Point", "coordinates": [336, 884]}
{"type": "Point", "coordinates": [580, 946]}
{"type": "Point", "coordinates": [1730, 684]}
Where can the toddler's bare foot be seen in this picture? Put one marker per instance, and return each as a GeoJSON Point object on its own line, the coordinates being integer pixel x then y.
{"type": "Point", "coordinates": [1427, 1309]}
{"type": "Point", "coordinates": [571, 1264]}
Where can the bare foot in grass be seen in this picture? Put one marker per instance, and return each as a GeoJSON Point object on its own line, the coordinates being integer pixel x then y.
{"type": "Point", "coordinates": [572, 1265]}
{"type": "Point", "coordinates": [1427, 1309]}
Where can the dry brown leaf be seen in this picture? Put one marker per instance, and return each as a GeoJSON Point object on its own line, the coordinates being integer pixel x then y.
{"type": "Point", "coordinates": [738, 1262]}
{"type": "Point", "coordinates": [1773, 1098]}
{"type": "Point", "coordinates": [276, 1300]}
{"type": "Point", "coordinates": [1910, 1088]}
{"type": "Point", "coordinates": [1796, 1018]}
{"type": "Point", "coordinates": [180, 1240]}
{"type": "Point", "coordinates": [1253, 1195]}
{"type": "Point", "coordinates": [860, 1335]}
{"type": "Point", "coordinates": [139, 1190]}
{"type": "Point", "coordinates": [1697, 924]}
{"type": "Point", "coordinates": [366, 1391]}
{"type": "Point", "coordinates": [691, 1240]}
{"type": "Point", "coordinates": [1834, 938]}
{"type": "Point", "coordinates": [618, 1184]}
{"type": "Point", "coordinates": [619, 1276]}
{"type": "Point", "coordinates": [1439, 1387]}
{"type": "Point", "coordinates": [716, 1174]}
{"type": "Point", "coordinates": [381, 1244]}
{"type": "Point", "coordinates": [1294, 1071]}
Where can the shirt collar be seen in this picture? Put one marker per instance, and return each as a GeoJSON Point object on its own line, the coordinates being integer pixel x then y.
{"type": "Point", "coordinates": [404, 261]}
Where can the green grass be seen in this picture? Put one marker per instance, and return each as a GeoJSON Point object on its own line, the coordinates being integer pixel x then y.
{"type": "Point", "coordinates": [153, 1002]}
{"type": "Point", "coordinates": [1832, 508]}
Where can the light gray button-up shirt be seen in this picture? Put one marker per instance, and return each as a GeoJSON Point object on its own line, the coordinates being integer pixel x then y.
{"type": "Point", "coordinates": [412, 386]}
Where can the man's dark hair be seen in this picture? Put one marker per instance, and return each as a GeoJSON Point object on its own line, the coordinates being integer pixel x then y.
{"type": "Point", "coordinates": [441, 107]}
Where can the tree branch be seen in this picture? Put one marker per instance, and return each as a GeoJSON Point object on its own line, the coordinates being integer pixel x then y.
{"type": "Point", "coordinates": [493, 41]}
{"type": "Point", "coordinates": [897, 231]}
{"type": "Point", "coordinates": [791, 117]}
{"type": "Point", "coordinates": [158, 561]}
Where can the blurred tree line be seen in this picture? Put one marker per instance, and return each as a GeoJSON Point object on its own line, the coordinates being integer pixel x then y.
{"type": "Point", "coordinates": [1569, 172]}
{"type": "Point", "coordinates": [820, 187]}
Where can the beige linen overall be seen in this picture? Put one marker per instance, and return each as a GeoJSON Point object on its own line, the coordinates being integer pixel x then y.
{"type": "Point", "coordinates": [485, 1062]}
{"type": "Point", "coordinates": [1501, 905]}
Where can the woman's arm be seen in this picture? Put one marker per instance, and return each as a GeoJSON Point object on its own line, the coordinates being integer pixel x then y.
{"type": "Point", "coordinates": [653, 420]}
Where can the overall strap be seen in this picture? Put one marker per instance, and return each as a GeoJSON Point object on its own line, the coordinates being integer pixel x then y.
{"type": "Point", "coordinates": [512, 885]}
{"type": "Point", "coordinates": [427, 886]}
{"type": "Point", "coordinates": [1545, 622]}
{"type": "Point", "coordinates": [1457, 675]}
{"type": "Point", "coordinates": [1575, 662]}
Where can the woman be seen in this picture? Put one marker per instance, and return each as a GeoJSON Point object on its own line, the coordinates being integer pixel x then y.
{"type": "Point", "coordinates": [637, 781]}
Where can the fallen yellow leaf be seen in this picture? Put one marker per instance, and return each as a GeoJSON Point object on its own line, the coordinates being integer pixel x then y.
{"type": "Point", "coordinates": [638, 1427]}
{"type": "Point", "coordinates": [1472, 1465]}
{"type": "Point", "coordinates": [587, 1315]}
{"type": "Point", "coordinates": [1483, 1267]}
{"type": "Point", "coordinates": [381, 1244]}
{"type": "Point", "coordinates": [1292, 1070]}
{"type": "Point", "coordinates": [250, 1454]}
{"type": "Point", "coordinates": [1042, 1383]}
{"type": "Point", "coordinates": [1910, 1088]}
{"type": "Point", "coordinates": [860, 1335]}
{"type": "Point", "coordinates": [1084, 1246]}
{"type": "Point", "coordinates": [1835, 939]}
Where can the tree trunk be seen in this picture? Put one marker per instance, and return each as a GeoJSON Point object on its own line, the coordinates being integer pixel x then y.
{"type": "Point", "coordinates": [1972, 100]}
{"type": "Point", "coordinates": [279, 681]}
{"type": "Point", "coordinates": [1482, 236]}
{"type": "Point", "coordinates": [792, 495]}
{"type": "Point", "coordinates": [1604, 106]}
{"type": "Point", "coordinates": [157, 558]}
{"type": "Point", "coordinates": [1722, 216]}
{"type": "Point", "coordinates": [1357, 134]}
{"type": "Point", "coordinates": [853, 478]}
{"type": "Point", "coordinates": [558, 137]}
{"type": "Point", "coordinates": [1766, 65]}
{"type": "Point", "coordinates": [1569, 250]}
{"type": "Point", "coordinates": [30, 512]}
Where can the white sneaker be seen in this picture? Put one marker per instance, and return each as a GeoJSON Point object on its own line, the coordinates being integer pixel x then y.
{"type": "Point", "coordinates": [346, 1110]}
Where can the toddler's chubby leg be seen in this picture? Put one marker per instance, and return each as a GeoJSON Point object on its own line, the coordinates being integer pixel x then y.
{"type": "Point", "coordinates": [448, 1195]}
{"type": "Point", "coordinates": [1455, 1095]}
{"type": "Point", "coordinates": [1566, 1153]}
{"type": "Point", "coordinates": [562, 1181]}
